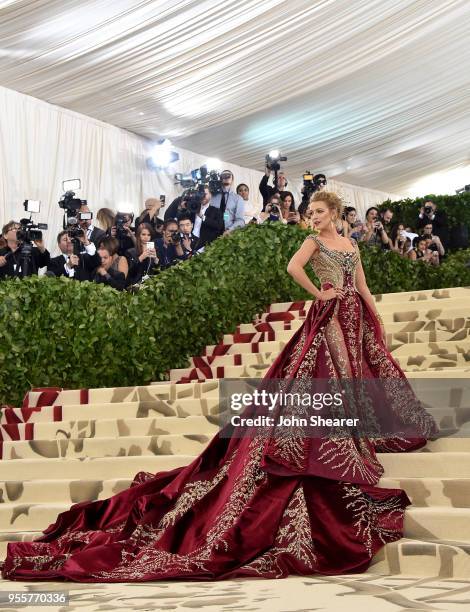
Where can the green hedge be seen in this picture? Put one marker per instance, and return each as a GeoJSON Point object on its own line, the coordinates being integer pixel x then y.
{"type": "Point", "coordinates": [457, 208]}
{"type": "Point", "coordinates": [57, 332]}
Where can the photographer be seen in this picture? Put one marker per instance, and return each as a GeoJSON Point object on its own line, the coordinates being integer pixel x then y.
{"type": "Point", "coordinates": [79, 267]}
{"type": "Point", "coordinates": [142, 259]}
{"type": "Point", "coordinates": [169, 249]}
{"type": "Point", "coordinates": [230, 204]}
{"type": "Point", "coordinates": [178, 208]}
{"type": "Point", "coordinates": [122, 231]}
{"type": "Point", "coordinates": [267, 190]}
{"type": "Point", "coordinates": [433, 243]}
{"type": "Point", "coordinates": [429, 213]}
{"type": "Point", "coordinates": [375, 234]}
{"type": "Point", "coordinates": [188, 239]}
{"type": "Point", "coordinates": [12, 256]}
{"type": "Point", "coordinates": [272, 211]}
{"type": "Point", "coordinates": [113, 269]}
{"type": "Point", "coordinates": [150, 213]}
{"type": "Point", "coordinates": [94, 234]}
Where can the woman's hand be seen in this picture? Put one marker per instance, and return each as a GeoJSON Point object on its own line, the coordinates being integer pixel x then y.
{"type": "Point", "coordinates": [331, 294]}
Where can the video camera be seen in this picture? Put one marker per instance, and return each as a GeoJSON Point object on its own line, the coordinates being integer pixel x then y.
{"type": "Point", "coordinates": [29, 231]}
{"type": "Point", "coordinates": [195, 184]}
{"type": "Point", "coordinates": [27, 234]}
{"type": "Point", "coordinates": [72, 217]}
{"type": "Point", "coordinates": [272, 160]}
{"type": "Point", "coordinates": [311, 184]}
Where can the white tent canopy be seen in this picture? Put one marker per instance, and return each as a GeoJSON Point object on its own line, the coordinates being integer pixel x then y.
{"type": "Point", "coordinates": [371, 92]}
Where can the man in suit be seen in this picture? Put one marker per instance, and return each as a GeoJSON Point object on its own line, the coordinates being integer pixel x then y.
{"type": "Point", "coordinates": [78, 267]}
{"type": "Point", "coordinates": [231, 205]}
{"type": "Point", "coordinates": [188, 239]}
{"type": "Point", "coordinates": [94, 234]}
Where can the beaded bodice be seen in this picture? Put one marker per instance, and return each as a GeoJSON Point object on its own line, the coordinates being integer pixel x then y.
{"type": "Point", "coordinates": [333, 266]}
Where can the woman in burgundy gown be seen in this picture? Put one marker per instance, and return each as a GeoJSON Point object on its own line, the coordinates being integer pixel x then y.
{"type": "Point", "coordinates": [261, 505]}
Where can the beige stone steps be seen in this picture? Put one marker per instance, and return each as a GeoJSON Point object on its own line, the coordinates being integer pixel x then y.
{"type": "Point", "coordinates": [184, 408]}
{"type": "Point", "coordinates": [435, 492]}
{"type": "Point", "coordinates": [438, 523]}
{"type": "Point", "coordinates": [60, 490]}
{"type": "Point", "coordinates": [123, 427]}
{"type": "Point", "coordinates": [104, 468]}
{"type": "Point", "coordinates": [397, 298]}
{"type": "Point", "coordinates": [423, 311]}
{"type": "Point", "coordinates": [424, 465]}
{"type": "Point", "coordinates": [448, 322]}
{"type": "Point", "coordinates": [423, 558]}
{"type": "Point", "coordinates": [255, 366]}
{"type": "Point", "coordinates": [398, 350]}
{"type": "Point", "coordinates": [128, 446]}
{"type": "Point", "coordinates": [144, 394]}
{"type": "Point", "coordinates": [393, 340]}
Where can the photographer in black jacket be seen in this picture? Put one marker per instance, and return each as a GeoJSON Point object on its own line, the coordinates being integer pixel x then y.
{"type": "Point", "coordinates": [169, 249]}
{"type": "Point", "coordinates": [429, 213]}
{"type": "Point", "coordinates": [79, 267]}
{"type": "Point", "coordinates": [268, 190]}
{"type": "Point", "coordinates": [12, 256]}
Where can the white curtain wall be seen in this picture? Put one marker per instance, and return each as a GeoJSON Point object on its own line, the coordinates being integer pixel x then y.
{"type": "Point", "coordinates": [41, 145]}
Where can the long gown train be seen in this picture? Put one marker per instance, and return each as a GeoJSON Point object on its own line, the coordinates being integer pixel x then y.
{"type": "Point", "coordinates": [252, 506]}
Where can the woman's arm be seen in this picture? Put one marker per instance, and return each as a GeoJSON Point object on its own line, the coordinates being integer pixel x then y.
{"type": "Point", "coordinates": [297, 264]}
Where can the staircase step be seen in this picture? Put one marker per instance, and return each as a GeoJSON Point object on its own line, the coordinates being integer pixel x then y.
{"type": "Point", "coordinates": [438, 524]}
{"type": "Point", "coordinates": [255, 366]}
{"type": "Point", "coordinates": [424, 465]}
{"type": "Point", "coordinates": [96, 468]}
{"type": "Point", "coordinates": [181, 408]}
{"type": "Point", "coordinates": [71, 491]}
{"type": "Point", "coordinates": [432, 492]}
{"type": "Point", "coordinates": [423, 558]}
{"type": "Point", "coordinates": [128, 446]}
{"type": "Point", "coordinates": [452, 322]}
{"type": "Point", "coordinates": [119, 427]}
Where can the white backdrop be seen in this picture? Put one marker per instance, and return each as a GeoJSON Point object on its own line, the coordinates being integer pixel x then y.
{"type": "Point", "coordinates": [41, 145]}
{"type": "Point", "coordinates": [371, 92]}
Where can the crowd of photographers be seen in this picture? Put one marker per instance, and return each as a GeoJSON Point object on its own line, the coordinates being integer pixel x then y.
{"type": "Point", "coordinates": [117, 250]}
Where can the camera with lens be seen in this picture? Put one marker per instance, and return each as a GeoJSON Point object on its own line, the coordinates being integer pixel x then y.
{"type": "Point", "coordinates": [428, 210]}
{"type": "Point", "coordinates": [273, 159]}
{"type": "Point", "coordinates": [195, 184]}
{"type": "Point", "coordinates": [175, 237]}
{"type": "Point", "coordinates": [72, 217]}
{"type": "Point", "coordinates": [274, 210]}
{"type": "Point", "coordinates": [29, 231]}
{"type": "Point", "coordinates": [311, 184]}
{"type": "Point", "coordinates": [120, 221]}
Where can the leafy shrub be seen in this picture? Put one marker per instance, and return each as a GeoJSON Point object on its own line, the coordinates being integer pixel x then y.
{"type": "Point", "coordinates": [56, 332]}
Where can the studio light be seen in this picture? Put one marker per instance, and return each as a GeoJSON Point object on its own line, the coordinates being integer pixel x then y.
{"type": "Point", "coordinates": [213, 164]}
{"type": "Point", "coordinates": [162, 155]}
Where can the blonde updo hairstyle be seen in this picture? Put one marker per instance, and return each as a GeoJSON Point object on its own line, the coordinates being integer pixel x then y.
{"type": "Point", "coordinates": [332, 200]}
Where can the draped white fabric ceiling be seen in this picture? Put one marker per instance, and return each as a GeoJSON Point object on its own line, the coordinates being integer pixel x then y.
{"type": "Point", "coordinates": [372, 92]}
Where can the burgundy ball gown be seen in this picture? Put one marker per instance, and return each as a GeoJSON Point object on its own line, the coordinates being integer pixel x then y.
{"type": "Point", "coordinates": [251, 506]}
